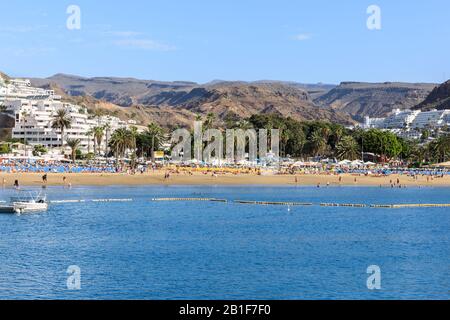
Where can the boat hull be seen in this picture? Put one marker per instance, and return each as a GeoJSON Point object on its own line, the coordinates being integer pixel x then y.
{"type": "Point", "coordinates": [27, 207]}
{"type": "Point", "coordinates": [7, 210]}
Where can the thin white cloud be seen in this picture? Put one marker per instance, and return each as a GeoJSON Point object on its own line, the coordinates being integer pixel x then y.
{"type": "Point", "coordinates": [136, 40]}
{"type": "Point", "coordinates": [126, 34]}
{"type": "Point", "coordinates": [144, 44]}
{"type": "Point", "coordinates": [22, 29]}
{"type": "Point", "coordinates": [302, 37]}
{"type": "Point", "coordinates": [27, 52]}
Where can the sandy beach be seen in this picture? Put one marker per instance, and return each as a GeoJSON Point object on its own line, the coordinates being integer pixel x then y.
{"type": "Point", "coordinates": [104, 179]}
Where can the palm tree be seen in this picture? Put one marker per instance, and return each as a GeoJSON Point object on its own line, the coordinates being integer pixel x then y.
{"type": "Point", "coordinates": [244, 125]}
{"type": "Point", "coordinates": [337, 135]}
{"type": "Point", "coordinates": [90, 134]}
{"type": "Point", "coordinates": [107, 128]}
{"type": "Point", "coordinates": [440, 148]}
{"type": "Point", "coordinates": [210, 119]}
{"type": "Point", "coordinates": [120, 141]}
{"type": "Point", "coordinates": [133, 135]}
{"type": "Point", "coordinates": [61, 121]}
{"type": "Point", "coordinates": [155, 134]}
{"type": "Point", "coordinates": [98, 113]}
{"type": "Point", "coordinates": [198, 117]}
{"type": "Point", "coordinates": [98, 138]}
{"type": "Point", "coordinates": [318, 142]}
{"type": "Point", "coordinates": [347, 148]}
{"type": "Point", "coordinates": [74, 144]}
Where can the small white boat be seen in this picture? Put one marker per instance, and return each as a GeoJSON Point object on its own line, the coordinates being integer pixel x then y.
{"type": "Point", "coordinates": [26, 202]}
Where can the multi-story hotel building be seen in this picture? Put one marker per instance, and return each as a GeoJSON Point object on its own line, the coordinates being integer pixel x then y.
{"type": "Point", "coordinates": [407, 123]}
{"type": "Point", "coordinates": [34, 109]}
{"type": "Point", "coordinates": [22, 89]}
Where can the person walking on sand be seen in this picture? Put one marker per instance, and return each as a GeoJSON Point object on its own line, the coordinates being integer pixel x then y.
{"type": "Point", "coordinates": [44, 178]}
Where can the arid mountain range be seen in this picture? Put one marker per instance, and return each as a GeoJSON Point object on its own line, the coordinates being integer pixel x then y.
{"type": "Point", "coordinates": [438, 99]}
{"type": "Point", "coordinates": [178, 103]}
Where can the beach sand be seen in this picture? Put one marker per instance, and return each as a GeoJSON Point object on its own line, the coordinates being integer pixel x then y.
{"type": "Point", "coordinates": [76, 179]}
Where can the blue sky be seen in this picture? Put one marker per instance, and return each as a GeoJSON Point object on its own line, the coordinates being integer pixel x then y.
{"type": "Point", "coordinates": [202, 40]}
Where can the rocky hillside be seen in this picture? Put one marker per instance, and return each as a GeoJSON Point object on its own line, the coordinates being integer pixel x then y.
{"type": "Point", "coordinates": [3, 77]}
{"type": "Point", "coordinates": [244, 100]}
{"type": "Point", "coordinates": [120, 91]}
{"type": "Point", "coordinates": [373, 99]}
{"type": "Point", "coordinates": [438, 99]}
{"type": "Point", "coordinates": [180, 102]}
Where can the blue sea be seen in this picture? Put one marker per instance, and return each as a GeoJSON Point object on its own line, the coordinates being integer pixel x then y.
{"type": "Point", "coordinates": [144, 249]}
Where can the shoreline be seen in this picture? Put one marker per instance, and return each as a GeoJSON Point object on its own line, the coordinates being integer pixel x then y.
{"type": "Point", "coordinates": [115, 179]}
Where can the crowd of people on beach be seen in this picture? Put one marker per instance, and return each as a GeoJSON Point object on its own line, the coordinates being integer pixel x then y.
{"type": "Point", "coordinates": [25, 166]}
{"type": "Point", "coordinates": [55, 167]}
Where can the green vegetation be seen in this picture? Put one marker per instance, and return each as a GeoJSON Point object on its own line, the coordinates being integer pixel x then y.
{"type": "Point", "coordinates": [151, 140]}
{"type": "Point", "coordinates": [61, 121]}
{"type": "Point", "coordinates": [318, 138]}
{"type": "Point", "coordinates": [5, 148]}
{"type": "Point", "coordinates": [74, 144]}
{"type": "Point", "coordinates": [98, 133]}
{"type": "Point", "coordinates": [39, 150]}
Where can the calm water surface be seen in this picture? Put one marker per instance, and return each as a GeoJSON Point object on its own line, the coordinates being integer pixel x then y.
{"type": "Point", "coordinates": [201, 250]}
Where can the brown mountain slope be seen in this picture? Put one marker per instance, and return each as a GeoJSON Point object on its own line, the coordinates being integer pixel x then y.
{"type": "Point", "coordinates": [245, 100]}
{"type": "Point", "coordinates": [179, 102]}
{"type": "Point", "coordinates": [120, 91]}
{"type": "Point", "coordinates": [438, 99]}
{"type": "Point", "coordinates": [374, 99]}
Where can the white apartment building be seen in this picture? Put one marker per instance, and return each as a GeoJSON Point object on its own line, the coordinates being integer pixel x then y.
{"type": "Point", "coordinates": [34, 124]}
{"type": "Point", "coordinates": [400, 119]}
{"type": "Point", "coordinates": [408, 119]}
{"type": "Point", "coordinates": [431, 119]}
{"type": "Point", "coordinates": [22, 89]}
{"type": "Point", "coordinates": [34, 109]}
{"type": "Point", "coordinates": [409, 123]}
{"type": "Point", "coordinates": [370, 123]}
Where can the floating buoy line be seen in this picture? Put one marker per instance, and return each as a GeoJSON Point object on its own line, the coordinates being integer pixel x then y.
{"type": "Point", "coordinates": [263, 203]}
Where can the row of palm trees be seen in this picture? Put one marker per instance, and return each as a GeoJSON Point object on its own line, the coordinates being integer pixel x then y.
{"type": "Point", "coordinates": [121, 141]}
{"type": "Point", "coordinates": [62, 121]}
{"type": "Point", "coordinates": [98, 133]}
{"type": "Point", "coordinates": [125, 140]}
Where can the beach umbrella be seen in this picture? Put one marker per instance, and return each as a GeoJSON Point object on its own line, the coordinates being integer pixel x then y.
{"type": "Point", "coordinates": [344, 163]}
{"type": "Point", "coordinates": [357, 163]}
